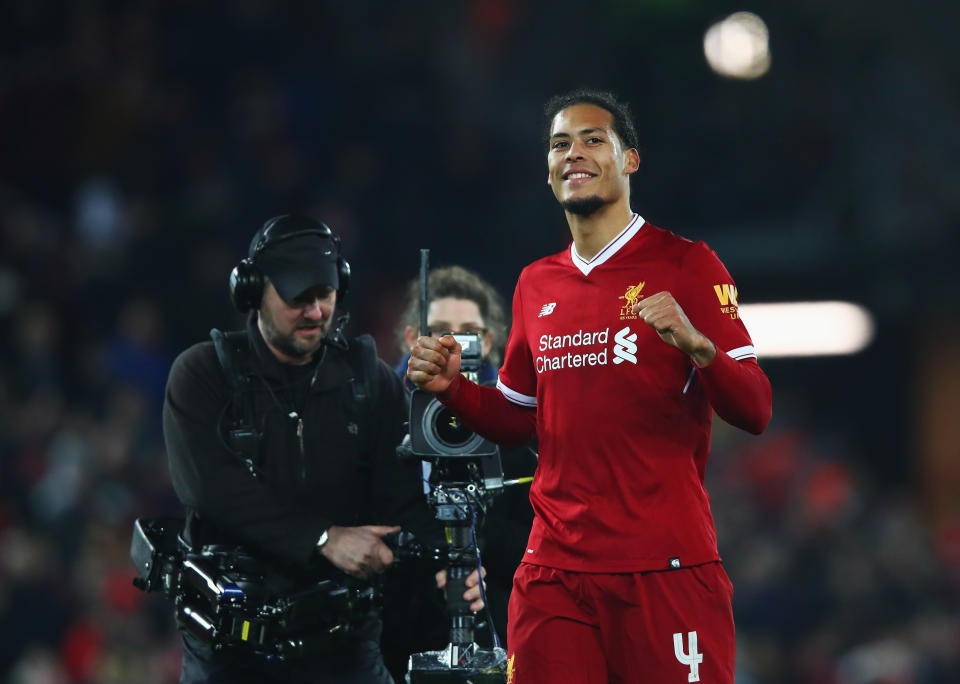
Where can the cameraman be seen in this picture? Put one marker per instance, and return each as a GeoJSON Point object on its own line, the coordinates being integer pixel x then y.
{"type": "Point", "coordinates": [321, 487]}
{"type": "Point", "coordinates": [460, 301]}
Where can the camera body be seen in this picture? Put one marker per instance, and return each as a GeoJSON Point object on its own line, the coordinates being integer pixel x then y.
{"type": "Point", "coordinates": [434, 430]}
{"type": "Point", "coordinates": [458, 455]}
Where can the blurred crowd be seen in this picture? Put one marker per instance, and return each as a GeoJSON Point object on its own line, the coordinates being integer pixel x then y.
{"type": "Point", "coordinates": [143, 143]}
{"type": "Point", "coordinates": [837, 578]}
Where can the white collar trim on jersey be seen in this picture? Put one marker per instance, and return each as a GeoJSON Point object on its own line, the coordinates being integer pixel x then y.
{"type": "Point", "coordinates": [609, 249]}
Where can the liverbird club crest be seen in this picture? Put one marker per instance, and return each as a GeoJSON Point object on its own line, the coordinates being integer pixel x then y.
{"type": "Point", "coordinates": [631, 295]}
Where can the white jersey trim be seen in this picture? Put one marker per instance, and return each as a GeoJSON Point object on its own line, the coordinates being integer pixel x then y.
{"type": "Point", "coordinates": [738, 354]}
{"type": "Point", "coordinates": [516, 397]}
{"type": "Point", "coordinates": [741, 353]}
{"type": "Point", "coordinates": [611, 248]}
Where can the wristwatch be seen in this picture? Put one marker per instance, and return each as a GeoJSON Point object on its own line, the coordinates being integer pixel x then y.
{"type": "Point", "coordinates": [324, 536]}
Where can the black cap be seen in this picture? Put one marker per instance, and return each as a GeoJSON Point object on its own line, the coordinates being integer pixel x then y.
{"type": "Point", "coordinates": [296, 253]}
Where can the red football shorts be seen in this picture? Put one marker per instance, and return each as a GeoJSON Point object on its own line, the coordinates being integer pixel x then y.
{"type": "Point", "coordinates": [665, 627]}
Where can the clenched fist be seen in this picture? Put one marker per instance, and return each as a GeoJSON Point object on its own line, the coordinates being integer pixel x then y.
{"type": "Point", "coordinates": [664, 314]}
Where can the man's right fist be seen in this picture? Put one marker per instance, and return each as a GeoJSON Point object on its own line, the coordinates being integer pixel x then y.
{"type": "Point", "coordinates": [434, 363]}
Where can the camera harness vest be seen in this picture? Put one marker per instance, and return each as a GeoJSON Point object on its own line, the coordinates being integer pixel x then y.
{"type": "Point", "coordinates": [242, 437]}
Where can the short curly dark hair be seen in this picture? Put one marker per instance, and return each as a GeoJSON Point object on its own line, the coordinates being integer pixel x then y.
{"type": "Point", "coordinates": [459, 283]}
{"type": "Point", "coordinates": [620, 111]}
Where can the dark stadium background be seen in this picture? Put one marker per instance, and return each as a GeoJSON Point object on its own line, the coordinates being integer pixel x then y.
{"type": "Point", "coordinates": [142, 143]}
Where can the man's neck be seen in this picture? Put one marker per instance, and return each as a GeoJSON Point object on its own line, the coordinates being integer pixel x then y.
{"type": "Point", "coordinates": [592, 233]}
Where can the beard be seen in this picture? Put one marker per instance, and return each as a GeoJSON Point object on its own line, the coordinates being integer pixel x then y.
{"type": "Point", "coordinates": [583, 206]}
{"type": "Point", "coordinates": [288, 344]}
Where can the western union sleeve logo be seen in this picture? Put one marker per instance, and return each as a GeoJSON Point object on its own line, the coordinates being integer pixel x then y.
{"type": "Point", "coordinates": [727, 295]}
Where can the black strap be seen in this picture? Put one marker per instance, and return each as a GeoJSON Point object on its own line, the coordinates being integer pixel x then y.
{"type": "Point", "coordinates": [242, 436]}
{"type": "Point", "coordinates": [364, 361]}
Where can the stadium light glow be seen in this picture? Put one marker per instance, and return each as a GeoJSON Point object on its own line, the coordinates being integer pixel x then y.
{"type": "Point", "coordinates": [738, 46]}
{"type": "Point", "coordinates": [807, 328]}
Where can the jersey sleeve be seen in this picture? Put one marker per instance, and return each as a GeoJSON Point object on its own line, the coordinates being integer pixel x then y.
{"type": "Point", "coordinates": [709, 298]}
{"type": "Point", "coordinates": [489, 413]}
{"type": "Point", "coordinates": [506, 415]}
{"type": "Point", "coordinates": [737, 388]}
{"type": "Point", "coordinates": [517, 380]}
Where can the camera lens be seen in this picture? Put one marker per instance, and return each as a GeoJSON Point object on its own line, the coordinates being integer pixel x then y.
{"type": "Point", "coordinates": [450, 430]}
{"type": "Point", "coordinates": [445, 434]}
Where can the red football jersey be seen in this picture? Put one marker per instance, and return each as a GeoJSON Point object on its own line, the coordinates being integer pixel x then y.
{"type": "Point", "coordinates": [623, 418]}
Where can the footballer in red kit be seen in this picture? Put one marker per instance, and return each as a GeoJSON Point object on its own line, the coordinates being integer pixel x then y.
{"type": "Point", "coordinates": [623, 419]}
{"type": "Point", "coordinates": [622, 347]}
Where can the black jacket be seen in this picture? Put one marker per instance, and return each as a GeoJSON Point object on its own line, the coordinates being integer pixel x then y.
{"type": "Point", "coordinates": [343, 476]}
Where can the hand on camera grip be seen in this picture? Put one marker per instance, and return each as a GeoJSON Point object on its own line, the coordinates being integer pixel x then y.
{"type": "Point", "coordinates": [359, 551]}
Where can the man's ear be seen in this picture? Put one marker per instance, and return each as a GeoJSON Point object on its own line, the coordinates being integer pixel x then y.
{"type": "Point", "coordinates": [632, 160]}
{"type": "Point", "coordinates": [410, 335]}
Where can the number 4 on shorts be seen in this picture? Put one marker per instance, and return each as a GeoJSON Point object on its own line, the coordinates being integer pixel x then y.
{"type": "Point", "coordinates": [688, 657]}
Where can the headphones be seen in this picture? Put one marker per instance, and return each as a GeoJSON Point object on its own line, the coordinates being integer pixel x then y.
{"type": "Point", "coordinates": [247, 280]}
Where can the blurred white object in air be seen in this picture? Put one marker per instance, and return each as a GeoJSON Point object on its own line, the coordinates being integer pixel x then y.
{"type": "Point", "coordinates": [807, 328]}
{"type": "Point", "coordinates": [738, 46]}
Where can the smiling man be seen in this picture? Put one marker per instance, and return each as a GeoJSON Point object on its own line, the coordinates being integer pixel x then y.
{"type": "Point", "coordinates": [622, 347]}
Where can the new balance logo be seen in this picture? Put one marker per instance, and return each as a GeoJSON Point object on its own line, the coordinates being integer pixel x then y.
{"type": "Point", "coordinates": [625, 349]}
{"type": "Point", "coordinates": [547, 309]}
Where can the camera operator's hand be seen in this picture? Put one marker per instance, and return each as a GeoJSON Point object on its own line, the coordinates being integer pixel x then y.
{"type": "Point", "coordinates": [472, 593]}
{"type": "Point", "coordinates": [359, 551]}
{"type": "Point", "coordinates": [434, 363]}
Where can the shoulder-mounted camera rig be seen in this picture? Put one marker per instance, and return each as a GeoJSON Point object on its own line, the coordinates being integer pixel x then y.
{"type": "Point", "coordinates": [223, 596]}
